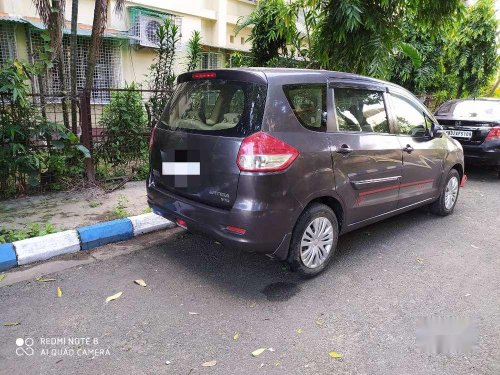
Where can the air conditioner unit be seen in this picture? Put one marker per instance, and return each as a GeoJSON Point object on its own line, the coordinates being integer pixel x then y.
{"type": "Point", "coordinates": [145, 25]}
{"type": "Point", "coordinates": [148, 29]}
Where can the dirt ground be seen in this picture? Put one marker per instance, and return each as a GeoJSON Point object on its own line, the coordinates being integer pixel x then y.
{"type": "Point", "coordinates": [68, 210]}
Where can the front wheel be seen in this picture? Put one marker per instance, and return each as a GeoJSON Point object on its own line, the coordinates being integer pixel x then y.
{"type": "Point", "coordinates": [314, 240]}
{"type": "Point", "coordinates": [447, 200]}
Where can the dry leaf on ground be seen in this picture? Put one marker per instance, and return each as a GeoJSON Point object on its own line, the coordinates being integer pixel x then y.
{"type": "Point", "coordinates": [59, 292]}
{"type": "Point", "coordinates": [335, 355]}
{"type": "Point", "coordinates": [258, 352]}
{"type": "Point", "coordinates": [140, 282]}
{"type": "Point", "coordinates": [44, 280]}
{"type": "Point", "coordinates": [209, 364]}
{"type": "Point", "coordinates": [114, 296]}
{"type": "Point", "coordinates": [236, 336]}
{"type": "Point", "coordinates": [11, 324]}
{"type": "Point", "coordinates": [2, 276]}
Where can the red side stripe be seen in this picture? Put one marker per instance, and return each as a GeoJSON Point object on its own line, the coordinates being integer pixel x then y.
{"type": "Point", "coordinates": [397, 186]}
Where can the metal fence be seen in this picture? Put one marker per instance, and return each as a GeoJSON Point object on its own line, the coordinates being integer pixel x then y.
{"type": "Point", "coordinates": [91, 131]}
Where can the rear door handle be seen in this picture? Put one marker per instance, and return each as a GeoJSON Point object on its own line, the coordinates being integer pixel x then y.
{"type": "Point", "coordinates": [408, 149]}
{"type": "Point", "coordinates": [344, 149]}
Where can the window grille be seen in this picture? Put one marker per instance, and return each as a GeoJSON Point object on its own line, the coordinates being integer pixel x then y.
{"type": "Point", "coordinates": [106, 73]}
{"type": "Point", "coordinates": [211, 60]}
{"type": "Point", "coordinates": [7, 42]}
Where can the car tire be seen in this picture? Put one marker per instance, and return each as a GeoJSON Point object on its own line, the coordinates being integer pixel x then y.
{"type": "Point", "coordinates": [311, 260]}
{"type": "Point", "coordinates": [447, 200]}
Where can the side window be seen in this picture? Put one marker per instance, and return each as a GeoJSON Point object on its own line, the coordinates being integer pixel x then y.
{"type": "Point", "coordinates": [308, 102]}
{"type": "Point", "coordinates": [360, 110]}
{"type": "Point", "coordinates": [410, 119]}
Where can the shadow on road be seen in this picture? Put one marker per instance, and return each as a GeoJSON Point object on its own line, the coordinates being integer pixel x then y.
{"type": "Point", "coordinates": [251, 275]}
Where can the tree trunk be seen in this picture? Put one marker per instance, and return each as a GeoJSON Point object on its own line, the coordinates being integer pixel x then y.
{"type": "Point", "coordinates": [74, 60]}
{"type": "Point", "coordinates": [58, 21]}
{"type": "Point", "coordinates": [98, 25]}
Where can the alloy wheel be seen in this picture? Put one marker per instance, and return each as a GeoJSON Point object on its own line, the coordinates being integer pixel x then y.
{"type": "Point", "coordinates": [451, 193]}
{"type": "Point", "coordinates": [316, 242]}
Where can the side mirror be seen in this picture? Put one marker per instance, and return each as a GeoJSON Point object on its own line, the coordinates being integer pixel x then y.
{"type": "Point", "coordinates": [437, 131]}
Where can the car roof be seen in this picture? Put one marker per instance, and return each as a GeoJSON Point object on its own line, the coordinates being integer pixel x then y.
{"type": "Point", "coordinates": [272, 73]}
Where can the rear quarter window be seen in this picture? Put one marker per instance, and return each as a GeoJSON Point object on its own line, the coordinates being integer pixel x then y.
{"type": "Point", "coordinates": [216, 107]}
{"type": "Point", "coordinates": [308, 102]}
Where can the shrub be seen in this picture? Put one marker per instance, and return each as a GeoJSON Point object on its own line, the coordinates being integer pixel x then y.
{"type": "Point", "coordinates": [125, 123]}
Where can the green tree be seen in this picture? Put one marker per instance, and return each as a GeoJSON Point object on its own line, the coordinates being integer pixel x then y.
{"type": "Point", "coordinates": [361, 36]}
{"type": "Point", "coordinates": [162, 76]}
{"type": "Point", "coordinates": [194, 51]}
{"type": "Point", "coordinates": [472, 53]}
{"type": "Point", "coordinates": [272, 31]}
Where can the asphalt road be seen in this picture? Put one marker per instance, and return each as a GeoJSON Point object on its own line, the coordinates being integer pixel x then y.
{"type": "Point", "coordinates": [366, 306]}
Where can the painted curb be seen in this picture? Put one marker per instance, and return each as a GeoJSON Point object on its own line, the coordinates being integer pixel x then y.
{"type": "Point", "coordinates": [83, 238]}
{"type": "Point", "coordinates": [44, 247]}
{"type": "Point", "coordinates": [103, 233]}
{"type": "Point", "coordinates": [146, 223]}
{"type": "Point", "coordinates": [8, 257]}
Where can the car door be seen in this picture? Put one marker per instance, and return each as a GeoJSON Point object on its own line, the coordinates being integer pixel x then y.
{"type": "Point", "coordinates": [423, 155]}
{"type": "Point", "coordinates": [366, 155]}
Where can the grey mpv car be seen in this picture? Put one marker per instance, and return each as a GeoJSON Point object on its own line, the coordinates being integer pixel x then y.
{"type": "Point", "coordinates": [282, 161]}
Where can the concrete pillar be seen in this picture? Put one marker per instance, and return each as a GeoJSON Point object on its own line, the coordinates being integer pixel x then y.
{"type": "Point", "coordinates": [221, 23]}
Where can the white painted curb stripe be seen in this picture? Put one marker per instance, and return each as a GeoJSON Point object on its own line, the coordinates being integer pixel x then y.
{"type": "Point", "coordinates": [40, 248]}
{"type": "Point", "coordinates": [149, 223]}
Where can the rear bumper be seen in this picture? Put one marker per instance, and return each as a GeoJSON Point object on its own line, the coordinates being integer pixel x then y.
{"type": "Point", "coordinates": [267, 230]}
{"type": "Point", "coordinates": [487, 154]}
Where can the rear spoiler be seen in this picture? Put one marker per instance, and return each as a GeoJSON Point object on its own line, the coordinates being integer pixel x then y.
{"type": "Point", "coordinates": [241, 75]}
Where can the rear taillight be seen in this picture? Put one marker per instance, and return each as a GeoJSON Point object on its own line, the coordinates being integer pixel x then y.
{"type": "Point", "coordinates": [493, 134]}
{"type": "Point", "coordinates": [152, 138]}
{"type": "Point", "coordinates": [262, 153]}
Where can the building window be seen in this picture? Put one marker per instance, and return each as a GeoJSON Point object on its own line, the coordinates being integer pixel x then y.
{"type": "Point", "coordinates": [242, 40]}
{"type": "Point", "coordinates": [231, 39]}
{"type": "Point", "coordinates": [211, 60]}
{"type": "Point", "coordinates": [106, 74]}
{"type": "Point", "coordinates": [7, 42]}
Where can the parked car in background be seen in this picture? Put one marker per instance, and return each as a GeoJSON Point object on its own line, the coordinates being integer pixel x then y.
{"type": "Point", "coordinates": [282, 161]}
{"type": "Point", "coordinates": [475, 123]}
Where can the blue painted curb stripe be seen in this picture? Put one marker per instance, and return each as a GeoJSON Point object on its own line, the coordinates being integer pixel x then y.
{"type": "Point", "coordinates": [103, 233]}
{"type": "Point", "coordinates": [8, 257]}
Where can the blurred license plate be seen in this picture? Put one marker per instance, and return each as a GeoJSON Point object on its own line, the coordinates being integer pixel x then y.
{"type": "Point", "coordinates": [459, 133]}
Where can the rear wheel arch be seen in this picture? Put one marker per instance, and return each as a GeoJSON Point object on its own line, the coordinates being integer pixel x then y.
{"type": "Point", "coordinates": [331, 202]}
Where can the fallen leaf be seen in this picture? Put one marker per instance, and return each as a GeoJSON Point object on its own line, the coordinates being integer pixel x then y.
{"type": "Point", "coordinates": [11, 324]}
{"type": "Point", "coordinates": [474, 246]}
{"type": "Point", "coordinates": [43, 280]}
{"type": "Point", "coordinates": [236, 336]}
{"type": "Point", "coordinates": [59, 292]}
{"type": "Point", "coordinates": [167, 362]}
{"type": "Point", "coordinates": [113, 297]}
{"type": "Point", "coordinates": [193, 313]}
{"type": "Point", "coordinates": [277, 364]}
{"type": "Point", "coordinates": [319, 322]}
{"type": "Point", "coordinates": [335, 355]}
{"type": "Point", "coordinates": [209, 364]}
{"type": "Point", "coordinates": [271, 349]}
{"type": "Point", "coordinates": [467, 295]}
{"type": "Point", "coordinates": [2, 276]}
{"type": "Point", "coordinates": [140, 282]}
{"type": "Point", "coordinates": [261, 365]}
{"type": "Point", "coordinates": [420, 260]}
{"type": "Point", "coordinates": [299, 331]}
{"type": "Point", "coordinates": [258, 352]}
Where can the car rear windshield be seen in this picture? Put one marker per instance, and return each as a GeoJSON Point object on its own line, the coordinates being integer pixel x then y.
{"type": "Point", "coordinates": [216, 107]}
{"type": "Point", "coordinates": [483, 109]}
